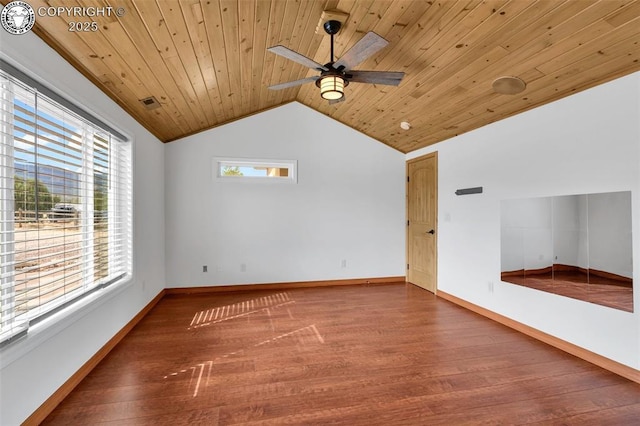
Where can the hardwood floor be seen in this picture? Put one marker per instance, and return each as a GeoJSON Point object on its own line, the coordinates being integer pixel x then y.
{"type": "Point", "coordinates": [356, 355]}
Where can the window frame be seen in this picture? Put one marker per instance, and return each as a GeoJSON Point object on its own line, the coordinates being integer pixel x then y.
{"type": "Point", "coordinates": [120, 215]}
{"type": "Point", "coordinates": [219, 162]}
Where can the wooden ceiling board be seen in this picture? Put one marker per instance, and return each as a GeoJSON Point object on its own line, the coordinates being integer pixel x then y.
{"type": "Point", "coordinates": [126, 48]}
{"type": "Point", "coordinates": [206, 60]}
{"type": "Point", "coordinates": [273, 64]}
{"type": "Point", "coordinates": [442, 83]}
{"type": "Point", "coordinates": [106, 66]}
{"type": "Point", "coordinates": [360, 96]}
{"type": "Point", "coordinates": [403, 58]}
{"type": "Point", "coordinates": [308, 44]}
{"type": "Point", "coordinates": [457, 114]}
{"type": "Point", "coordinates": [286, 37]}
{"type": "Point", "coordinates": [247, 12]}
{"type": "Point", "coordinates": [192, 13]}
{"type": "Point", "coordinates": [544, 88]}
{"type": "Point", "coordinates": [422, 76]}
{"type": "Point", "coordinates": [183, 55]}
{"type": "Point", "coordinates": [190, 85]}
{"type": "Point", "coordinates": [213, 26]}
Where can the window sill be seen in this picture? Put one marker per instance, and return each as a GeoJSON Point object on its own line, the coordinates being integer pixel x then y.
{"type": "Point", "coordinates": [46, 329]}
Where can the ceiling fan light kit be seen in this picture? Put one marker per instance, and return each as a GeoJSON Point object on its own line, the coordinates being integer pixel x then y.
{"type": "Point", "coordinates": [331, 87]}
{"type": "Point", "coordinates": [336, 75]}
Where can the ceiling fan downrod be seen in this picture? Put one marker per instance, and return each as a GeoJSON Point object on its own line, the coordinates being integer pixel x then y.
{"type": "Point", "coordinates": [332, 27]}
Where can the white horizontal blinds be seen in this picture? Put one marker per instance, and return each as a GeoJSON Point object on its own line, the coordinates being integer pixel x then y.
{"type": "Point", "coordinates": [101, 209]}
{"type": "Point", "coordinates": [8, 324]}
{"type": "Point", "coordinates": [70, 210]}
{"type": "Point", "coordinates": [120, 215]}
{"type": "Point", "coordinates": [49, 177]}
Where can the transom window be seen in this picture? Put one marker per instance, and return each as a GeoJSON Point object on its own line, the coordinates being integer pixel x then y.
{"type": "Point", "coordinates": [65, 205]}
{"type": "Point", "coordinates": [253, 170]}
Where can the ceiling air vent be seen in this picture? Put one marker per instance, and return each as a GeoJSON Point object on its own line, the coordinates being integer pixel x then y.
{"type": "Point", "coordinates": [150, 103]}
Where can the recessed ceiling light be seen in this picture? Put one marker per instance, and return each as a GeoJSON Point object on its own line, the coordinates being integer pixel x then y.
{"type": "Point", "coordinates": [508, 85]}
{"type": "Point", "coordinates": [405, 125]}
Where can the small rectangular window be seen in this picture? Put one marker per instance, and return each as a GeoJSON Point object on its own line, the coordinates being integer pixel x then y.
{"type": "Point", "coordinates": [255, 170]}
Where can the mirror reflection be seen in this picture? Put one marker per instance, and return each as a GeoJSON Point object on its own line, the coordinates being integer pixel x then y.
{"type": "Point", "coordinates": [578, 246]}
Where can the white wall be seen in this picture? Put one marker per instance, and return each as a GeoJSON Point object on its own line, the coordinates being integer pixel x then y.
{"type": "Point", "coordinates": [586, 143]}
{"type": "Point", "coordinates": [348, 204]}
{"type": "Point", "coordinates": [35, 367]}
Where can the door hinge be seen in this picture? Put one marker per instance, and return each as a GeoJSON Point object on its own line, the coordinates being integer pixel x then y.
{"type": "Point", "coordinates": [407, 223]}
{"type": "Point", "coordinates": [407, 178]}
{"type": "Point", "coordinates": [407, 266]}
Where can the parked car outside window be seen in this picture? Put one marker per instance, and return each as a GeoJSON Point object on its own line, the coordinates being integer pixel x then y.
{"type": "Point", "coordinates": [64, 212]}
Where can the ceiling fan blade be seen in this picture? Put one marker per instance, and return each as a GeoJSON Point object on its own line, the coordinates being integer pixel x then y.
{"type": "Point", "coordinates": [367, 46]}
{"type": "Point", "coordinates": [390, 78]}
{"type": "Point", "coordinates": [296, 57]}
{"type": "Point", "coordinates": [293, 83]}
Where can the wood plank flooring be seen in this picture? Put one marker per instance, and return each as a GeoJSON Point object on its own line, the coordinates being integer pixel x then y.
{"type": "Point", "coordinates": [355, 355]}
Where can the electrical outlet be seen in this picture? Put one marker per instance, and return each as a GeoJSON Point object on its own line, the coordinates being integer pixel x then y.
{"type": "Point", "coordinates": [205, 269]}
{"type": "Point", "coordinates": [243, 267]}
{"type": "Point", "coordinates": [343, 264]}
{"type": "Point", "coordinates": [490, 286]}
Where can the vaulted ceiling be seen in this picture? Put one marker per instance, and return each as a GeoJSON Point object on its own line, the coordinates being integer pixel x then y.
{"type": "Point", "coordinates": [206, 62]}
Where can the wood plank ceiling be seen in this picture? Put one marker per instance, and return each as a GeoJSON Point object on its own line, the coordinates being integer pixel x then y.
{"type": "Point", "coordinates": [206, 60]}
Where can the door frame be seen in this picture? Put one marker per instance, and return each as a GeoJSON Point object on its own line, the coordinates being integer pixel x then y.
{"type": "Point", "coordinates": [433, 154]}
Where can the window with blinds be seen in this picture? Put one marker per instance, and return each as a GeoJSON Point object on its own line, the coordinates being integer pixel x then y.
{"type": "Point", "coordinates": [65, 206]}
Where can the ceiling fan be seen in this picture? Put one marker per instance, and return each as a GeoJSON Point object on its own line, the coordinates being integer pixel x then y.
{"type": "Point", "coordinates": [336, 75]}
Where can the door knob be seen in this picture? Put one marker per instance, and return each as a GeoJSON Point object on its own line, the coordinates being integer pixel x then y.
{"type": "Point", "coordinates": [431, 232]}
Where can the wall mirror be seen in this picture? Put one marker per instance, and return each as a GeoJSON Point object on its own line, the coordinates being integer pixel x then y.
{"type": "Point", "coordinates": [578, 246]}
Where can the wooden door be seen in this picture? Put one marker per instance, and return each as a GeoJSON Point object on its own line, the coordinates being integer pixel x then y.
{"type": "Point", "coordinates": [422, 208]}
